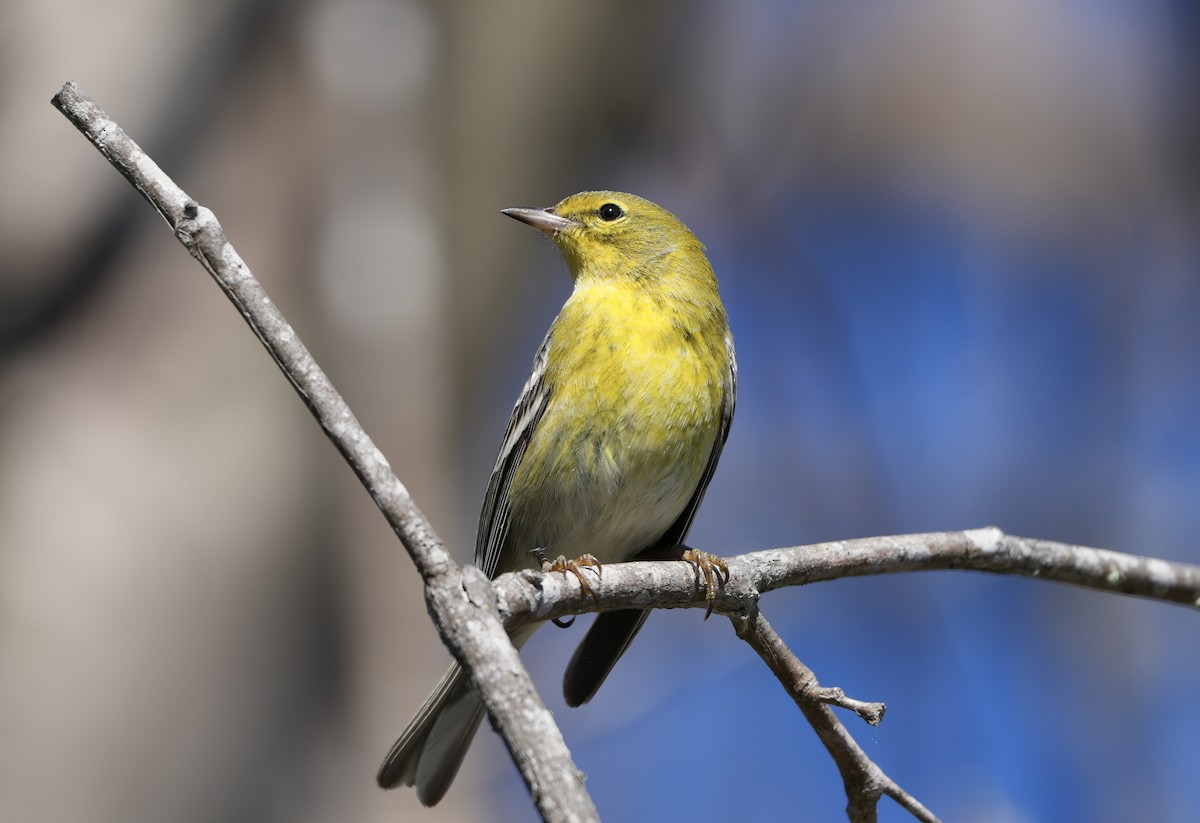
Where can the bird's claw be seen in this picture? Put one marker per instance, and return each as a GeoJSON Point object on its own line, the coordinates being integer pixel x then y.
{"type": "Point", "coordinates": [575, 567]}
{"type": "Point", "coordinates": [714, 571]}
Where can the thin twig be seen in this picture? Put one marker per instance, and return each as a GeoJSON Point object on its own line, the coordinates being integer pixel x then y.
{"type": "Point", "coordinates": [864, 781]}
{"type": "Point", "coordinates": [462, 605]}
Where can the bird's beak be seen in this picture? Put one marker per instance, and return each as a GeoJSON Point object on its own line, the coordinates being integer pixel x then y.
{"type": "Point", "coordinates": [544, 220]}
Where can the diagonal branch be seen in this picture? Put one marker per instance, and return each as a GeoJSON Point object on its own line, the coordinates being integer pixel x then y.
{"type": "Point", "coordinates": [459, 600]}
{"type": "Point", "coordinates": [864, 781]}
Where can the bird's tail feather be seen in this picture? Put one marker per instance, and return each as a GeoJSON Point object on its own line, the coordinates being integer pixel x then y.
{"type": "Point", "coordinates": [600, 649]}
{"type": "Point", "coordinates": [430, 751]}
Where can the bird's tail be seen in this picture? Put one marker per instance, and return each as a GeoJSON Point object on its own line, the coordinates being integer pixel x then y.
{"type": "Point", "coordinates": [433, 746]}
{"type": "Point", "coordinates": [601, 648]}
{"type": "Point", "coordinates": [431, 749]}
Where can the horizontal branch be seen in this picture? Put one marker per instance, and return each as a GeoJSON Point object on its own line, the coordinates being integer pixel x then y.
{"type": "Point", "coordinates": [533, 596]}
{"type": "Point", "coordinates": [983, 550]}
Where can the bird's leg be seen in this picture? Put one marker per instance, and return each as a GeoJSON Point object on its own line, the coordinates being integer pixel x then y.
{"type": "Point", "coordinates": [575, 567]}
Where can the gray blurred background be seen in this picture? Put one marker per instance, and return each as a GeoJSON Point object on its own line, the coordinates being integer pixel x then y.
{"type": "Point", "coordinates": [959, 246]}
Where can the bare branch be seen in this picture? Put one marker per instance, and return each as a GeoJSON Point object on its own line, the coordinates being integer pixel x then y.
{"type": "Point", "coordinates": [984, 550]}
{"type": "Point", "coordinates": [532, 596]}
{"type": "Point", "coordinates": [461, 604]}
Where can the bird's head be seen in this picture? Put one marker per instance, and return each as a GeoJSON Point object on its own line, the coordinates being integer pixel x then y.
{"type": "Point", "coordinates": [602, 233]}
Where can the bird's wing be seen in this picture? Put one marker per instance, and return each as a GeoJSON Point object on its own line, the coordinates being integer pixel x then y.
{"type": "Point", "coordinates": [493, 519]}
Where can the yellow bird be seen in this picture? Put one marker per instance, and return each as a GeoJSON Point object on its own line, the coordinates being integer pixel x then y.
{"type": "Point", "coordinates": [610, 446]}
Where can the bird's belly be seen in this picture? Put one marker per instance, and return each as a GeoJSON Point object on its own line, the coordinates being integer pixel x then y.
{"type": "Point", "coordinates": [619, 518]}
{"type": "Point", "coordinates": [617, 488]}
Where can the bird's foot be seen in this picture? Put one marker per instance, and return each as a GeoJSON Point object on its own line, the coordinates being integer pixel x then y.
{"type": "Point", "coordinates": [713, 569]}
{"type": "Point", "coordinates": [575, 567]}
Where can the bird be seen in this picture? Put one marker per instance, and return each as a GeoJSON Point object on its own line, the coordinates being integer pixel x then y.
{"type": "Point", "coordinates": [610, 446]}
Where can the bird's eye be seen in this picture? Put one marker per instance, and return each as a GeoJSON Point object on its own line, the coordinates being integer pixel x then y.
{"type": "Point", "coordinates": [610, 212]}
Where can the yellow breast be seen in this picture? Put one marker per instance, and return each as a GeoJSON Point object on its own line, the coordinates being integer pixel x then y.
{"type": "Point", "coordinates": [633, 415]}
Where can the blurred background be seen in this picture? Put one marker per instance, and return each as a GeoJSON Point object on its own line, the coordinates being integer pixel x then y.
{"type": "Point", "coordinates": [959, 246]}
